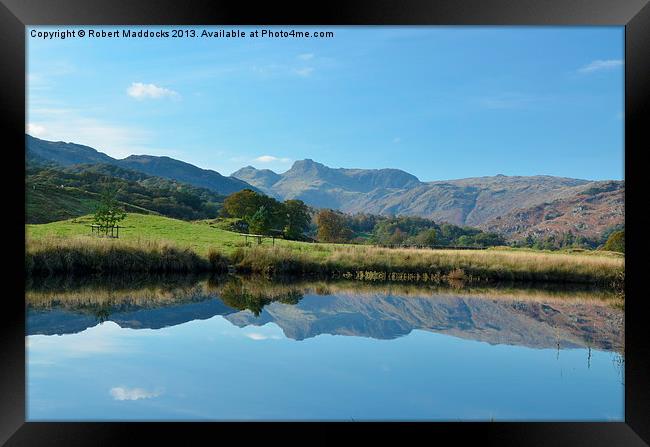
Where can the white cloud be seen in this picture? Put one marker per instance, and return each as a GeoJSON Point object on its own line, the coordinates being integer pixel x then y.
{"type": "Point", "coordinates": [114, 140]}
{"type": "Point", "coordinates": [35, 129]}
{"type": "Point", "coordinates": [306, 56]}
{"type": "Point", "coordinates": [304, 71]}
{"type": "Point", "coordinates": [123, 393]}
{"type": "Point", "coordinates": [139, 91]}
{"type": "Point", "coordinates": [74, 126]}
{"type": "Point", "coordinates": [271, 159]}
{"type": "Point", "coordinates": [599, 65]}
{"type": "Point", "coordinates": [258, 336]}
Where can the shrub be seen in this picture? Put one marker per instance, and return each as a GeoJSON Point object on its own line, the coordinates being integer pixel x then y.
{"type": "Point", "coordinates": [86, 255]}
{"type": "Point", "coordinates": [616, 242]}
{"type": "Point", "coordinates": [218, 262]}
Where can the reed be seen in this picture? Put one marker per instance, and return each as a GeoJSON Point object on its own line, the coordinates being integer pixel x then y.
{"type": "Point", "coordinates": [87, 255]}
{"type": "Point", "coordinates": [370, 263]}
{"type": "Point", "coordinates": [56, 255]}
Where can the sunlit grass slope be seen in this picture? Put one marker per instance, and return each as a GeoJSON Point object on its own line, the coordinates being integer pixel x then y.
{"type": "Point", "coordinates": [199, 236]}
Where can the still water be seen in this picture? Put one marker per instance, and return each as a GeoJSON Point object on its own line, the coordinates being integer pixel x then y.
{"type": "Point", "coordinates": [233, 349]}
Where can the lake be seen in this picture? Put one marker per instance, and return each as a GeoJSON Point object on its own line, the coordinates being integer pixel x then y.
{"type": "Point", "coordinates": [171, 349]}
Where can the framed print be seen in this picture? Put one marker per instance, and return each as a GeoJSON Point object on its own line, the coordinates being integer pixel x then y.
{"type": "Point", "coordinates": [390, 218]}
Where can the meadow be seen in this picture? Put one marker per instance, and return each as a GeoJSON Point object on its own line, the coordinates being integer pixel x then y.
{"type": "Point", "coordinates": [150, 243]}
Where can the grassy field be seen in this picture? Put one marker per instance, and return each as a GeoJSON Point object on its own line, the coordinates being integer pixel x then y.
{"type": "Point", "coordinates": [199, 236]}
{"type": "Point", "coordinates": [151, 243]}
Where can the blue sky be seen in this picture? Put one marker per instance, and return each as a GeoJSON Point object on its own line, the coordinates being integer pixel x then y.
{"type": "Point", "coordinates": [438, 102]}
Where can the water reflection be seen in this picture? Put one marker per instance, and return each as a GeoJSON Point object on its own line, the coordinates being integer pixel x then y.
{"type": "Point", "coordinates": [230, 348]}
{"type": "Point", "coordinates": [532, 317]}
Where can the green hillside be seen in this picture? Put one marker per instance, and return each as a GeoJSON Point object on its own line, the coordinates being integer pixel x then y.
{"type": "Point", "coordinates": [48, 203]}
{"type": "Point", "coordinates": [199, 235]}
{"type": "Point", "coordinates": [55, 193]}
{"type": "Point", "coordinates": [70, 154]}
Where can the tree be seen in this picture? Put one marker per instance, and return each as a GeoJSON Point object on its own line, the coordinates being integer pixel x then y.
{"type": "Point", "coordinates": [246, 203]}
{"type": "Point", "coordinates": [489, 239]}
{"type": "Point", "coordinates": [242, 204]}
{"type": "Point", "coordinates": [568, 239]}
{"type": "Point", "coordinates": [260, 221]}
{"type": "Point", "coordinates": [108, 213]}
{"type": "Point", "coordinates": [332, 227]}
{"type": "Point", "coordinates": [530, 240]}
{"type": "Point", "coordinates": [297, 218]}
{"type": "Point", "coordinates": [398, 237]}
{"type": "Point", "coordinates": [464, 241]}
{"type": "Point", "coordinates": [426, 237]}
{"type": "Point", "coordinates": [449, 233]}
{"type": "Point", "coordinates": [616, 242]}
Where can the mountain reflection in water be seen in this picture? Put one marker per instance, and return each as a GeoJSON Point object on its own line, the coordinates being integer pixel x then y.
{"type": "Point", "coordinates": [232, 348]}
{"type": "Point", "coordinates": [549, 318]}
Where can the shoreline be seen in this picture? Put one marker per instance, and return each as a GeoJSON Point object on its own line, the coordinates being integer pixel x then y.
{"type": "Point", "coordinates": [361, 263]}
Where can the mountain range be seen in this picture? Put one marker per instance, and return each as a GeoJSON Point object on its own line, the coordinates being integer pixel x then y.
{"type": "Point", "coordinates": [515, 206]}
{"type": "Point", "coordinates": [68, 154]}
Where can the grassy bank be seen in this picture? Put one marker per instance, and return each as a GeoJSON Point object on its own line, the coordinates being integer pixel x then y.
{"type": "Point", "coordinates": [90, 255]}
{"type": "Point", "coordinates": [157, 244]}
{"type": "Point", "coordinates": [413, 265]}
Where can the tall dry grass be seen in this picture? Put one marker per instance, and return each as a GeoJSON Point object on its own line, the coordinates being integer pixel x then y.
{"type": "Point", "coordinates": [52, 255]}
{"type": "Point", "coordinates": [83, 254]}
{"type": "Point", "coordinates": [371, 263]}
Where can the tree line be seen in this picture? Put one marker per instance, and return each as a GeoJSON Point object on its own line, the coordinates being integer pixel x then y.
{"type": "Point", "coordinates": [612, 239]}
{"type": "Point", "coordinates": [260, 214]}
{"type": "Point", "coordinates": [334, 226]}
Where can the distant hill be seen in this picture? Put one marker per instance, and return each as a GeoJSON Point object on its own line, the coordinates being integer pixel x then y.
{"type": "Point", "coordinates": [56, 193]}
{"type": "Point", "coordinates": [61, 153]}
{"type": "Point", "coordinates": [593, 208]}
{"type": "Point", "coordinates": [260, 178]}
{"type": "Point", "coordinates": [184, 172]}
{"type": "Point", "coordinates": [323, 186]}
{"type": "Point", "coordinates": [477, 201]}
{"type": "Point", "coordinates": [68, 154]}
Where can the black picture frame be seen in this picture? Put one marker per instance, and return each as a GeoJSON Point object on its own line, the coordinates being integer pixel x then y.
{"type": "Point", "coordinates": [633, 14]}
